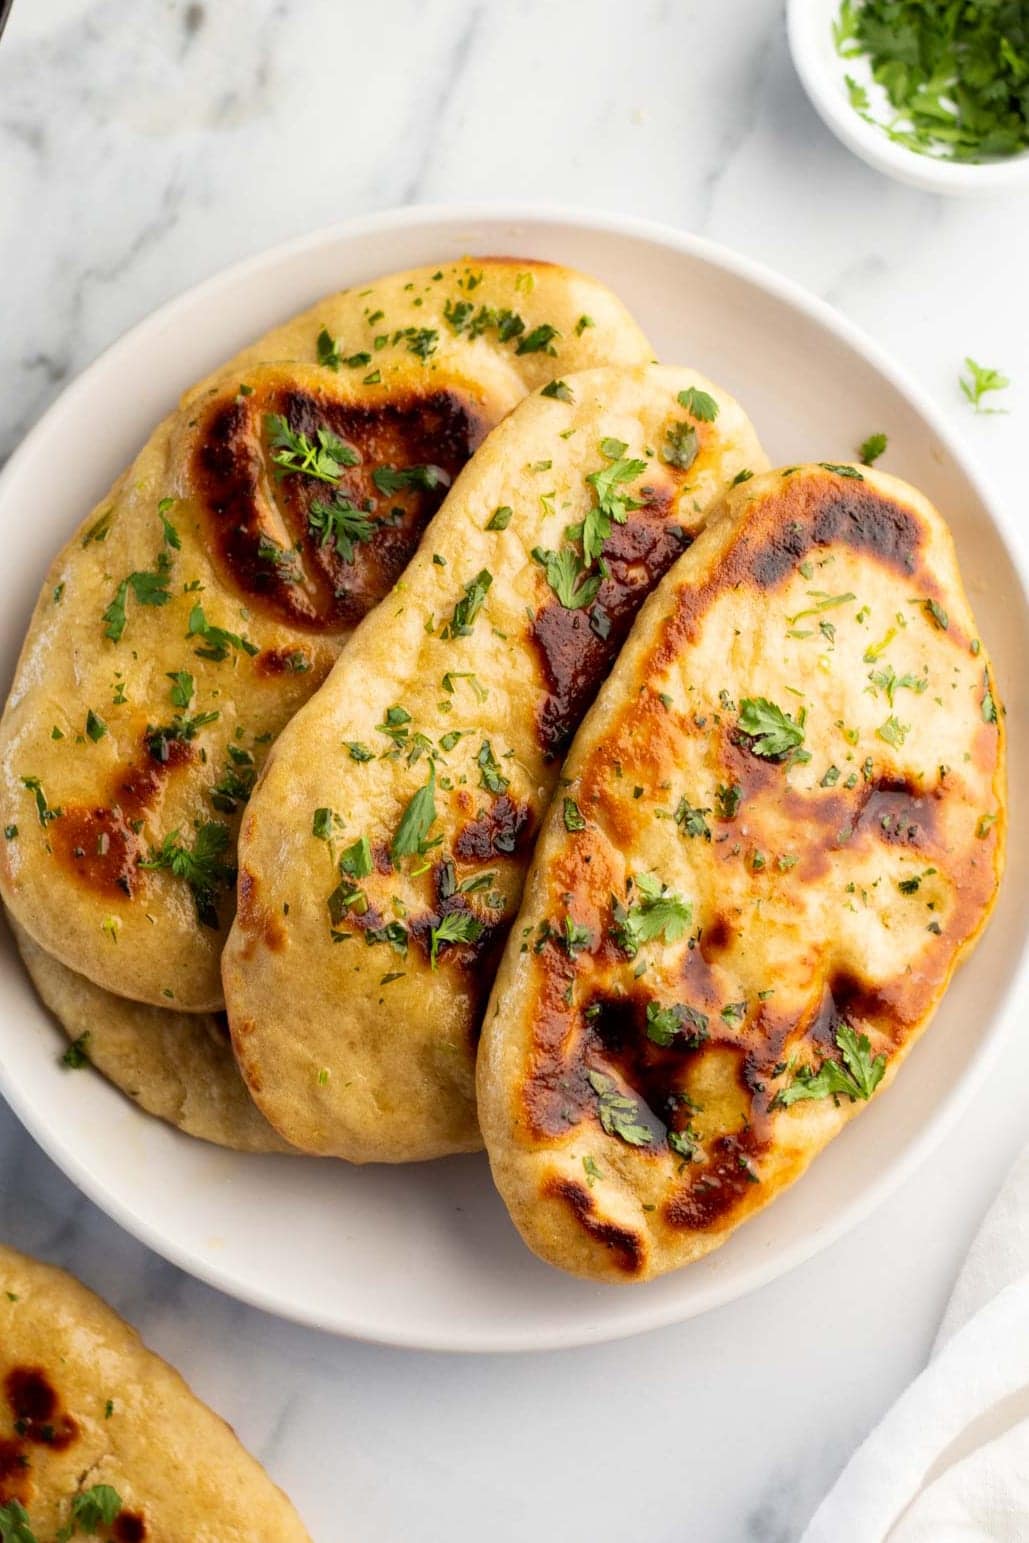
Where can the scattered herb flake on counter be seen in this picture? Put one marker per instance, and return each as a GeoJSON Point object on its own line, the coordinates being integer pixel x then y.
{"type": "Point", "coordinates": [955, 74]}
{"type": "Point", "coordinates": [980, 382]}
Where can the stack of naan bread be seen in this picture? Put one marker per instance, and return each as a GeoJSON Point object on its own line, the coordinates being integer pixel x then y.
{"type": "Point", "coordinates": [450, 731]}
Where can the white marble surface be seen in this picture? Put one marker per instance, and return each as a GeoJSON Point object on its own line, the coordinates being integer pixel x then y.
{"type": "Point", "coordinates": [144, 146]}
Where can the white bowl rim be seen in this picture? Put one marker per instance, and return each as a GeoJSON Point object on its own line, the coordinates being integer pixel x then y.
{"type": "Point", "coordinates": [64, 1151]}
{"type": "Point", "coordinates": [870, 143]}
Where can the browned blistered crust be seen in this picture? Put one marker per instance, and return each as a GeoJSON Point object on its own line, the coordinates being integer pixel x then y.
{"type": "Point", "coordinates": [788, 940]}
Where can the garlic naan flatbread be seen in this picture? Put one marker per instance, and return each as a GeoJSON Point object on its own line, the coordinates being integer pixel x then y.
{"type": "Point", "coordinates": [205, 599]}
{"type": "Point", "coordinates": [101, 1438]}
{"type": "Point", "coordinates": [382, 855]}
{"type": "Point", "coordinates": [782, 828]}
{"type": "Point", "coordinates": [178, 1066]}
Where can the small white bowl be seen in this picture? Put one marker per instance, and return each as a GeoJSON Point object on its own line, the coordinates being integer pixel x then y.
{"type": "Point", "coordinates": [822, 72]}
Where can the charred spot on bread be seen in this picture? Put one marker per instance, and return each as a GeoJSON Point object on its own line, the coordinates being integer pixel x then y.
{"type": "Point", "coordinates": [260, 521]}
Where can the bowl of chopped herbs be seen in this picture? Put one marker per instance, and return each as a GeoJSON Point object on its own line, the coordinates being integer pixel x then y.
{"type": "Point", "coordinates": [932, 92]}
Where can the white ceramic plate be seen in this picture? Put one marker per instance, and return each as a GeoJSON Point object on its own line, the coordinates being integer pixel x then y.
{"type": "Point", "coordinates": [425, 1255]}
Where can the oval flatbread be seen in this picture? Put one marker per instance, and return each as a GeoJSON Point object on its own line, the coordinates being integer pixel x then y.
{"type": "Point", "coordinates": [789, 816]}
{"type": "Point", "coordinates": [203, 601]}
{"type": "Point", "coordinates": [382, 855]}
{"type": "Point", "coordinates": [99, 1437]}
{"type": "Point", "coordinates": [178, 1066]}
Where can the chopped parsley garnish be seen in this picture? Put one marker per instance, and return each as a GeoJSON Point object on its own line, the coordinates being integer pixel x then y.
{"type": "Point", "coordinates": [559, 390]}
{"type": "Point", "coordinates": [500, 519]}
{"type": "Point", "coordinates": [728, 800]}
{"type": "Point", "coordinates": [341, 523]}
{"type": "Point", "coordinates": [857, 1078]}
{"type": "Point", "coordinates": [612, 506]}
{"type": "Point", "coordinates": [201, 866]}
{"type": "Point", "coordinates": [981, 380]}
{"type": "Point", "coordinates": [539, 340]}
{"type": "Point", "coordinates": [183, 686]}
{"type": "Point", "coordinates": [575, 938]}
{"type": "Point", "coordinates": [935, 611]}
{"type": "Point", "coordinates": [296, 452]}
{"type": "Point", "coordinates": [567, 576]}
{"type": "Point", "coordinates": [356, 861]}
{"type": "Point", "coordinates": [773, 732]}
{"type": "Point", "coordinates": [359, 752]}
{"type": "Point", "coordinates": [842, 471]}
{"type": "Point", "coordinates": [666, 1024]}
{"type": "Point", "coordinates": [148, 589]}
{"type": "Point", "coordinates": [744, 475]}
{"type": "Point", "coordinates": [330, 352]}
{"type": "Point", "coordinates": [988, 706]}
{"type": "Point", "coordinates": [469, 606]}
{"type": "Point", "coordinates": [96, 1507]}
{"type": "Point", "coordinates": [218, 641]}
{"type": "Point", "coordinates": [416, 821]}
{"type": "Point", "coordinates": [171, 535]}
{"type": "Point", "coordinates": [699, 404]}
{"type": "Point", "coordinates": [323, 824]}
{"type": "Point", "coordinates": [591, 1171]}
{"type": "Point", "coordinates": [619, 1115]}
{"type": "Point", "coordinates": [660, 912]}
{"type": "Point", "coordinates": [454, 927]}
{"type": "Point", "coordinates": [691, 821]}
{"type": "Point", "coordinates": [490, 776]}
{"type": "Point", "coordinates": [43, 810]}
{"type": "Point", "coordinates": [236, 783]}
{"type": "Point", "coordinates": [682, 446]}
{"type": "Point", "coordinates": [889, 681]}
{"type": "Point", "coordinates": [573, 816]}
{"type": "Point", "coordinates": [96, 728]}
{"type": "Point", "coordinates": [99, 529]}
{"type": "Point", "coordinates": [393, 479]}
{"type": "Point", "coordinates": [77, 1054]}
{"type": "Point", "coordinates": [893, 731]}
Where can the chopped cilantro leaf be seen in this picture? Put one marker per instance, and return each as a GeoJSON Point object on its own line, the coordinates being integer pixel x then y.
{"type": "Point", "coordinates": [453, 927]}
{"type": "Point", "coordinates": [341, 523]}
{"type": "Point", "coordinates": [416, 821]}
{"type": "Point", "coordinates": [202, 866]}
{"type": "Point", "coordinates": [619, 1115]}
{"type": "Point", "coordinates": [773, 732]}
{"type": "Point", "coordinates": [699, 404]}
{"type": "Point", "coordinates": [857, 1078]}
{"type": "Point", "coordinates": [469, 606]}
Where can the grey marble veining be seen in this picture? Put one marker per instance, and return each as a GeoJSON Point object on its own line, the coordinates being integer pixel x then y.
{"type": "Point", "coordinates": [143, 147]}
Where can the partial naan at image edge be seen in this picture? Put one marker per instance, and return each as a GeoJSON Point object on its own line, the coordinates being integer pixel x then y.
{"type": "Point", "coordinates": [177, 1066]}
{"type": "Point", "coordinates": [789, 816]}
{"type": "Point", "coordinates": [207, 596]}
{"type": "Point", "coordinates": [100, 1437]}
{"type": "Point", "coordinates": [383, 851]}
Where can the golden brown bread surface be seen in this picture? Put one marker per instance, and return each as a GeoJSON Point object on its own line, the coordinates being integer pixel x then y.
{"type": "Point", "coordinates": [178, 1066]}
{"type": "Point", "coordinates": [365, 943]}
{"type": "Point", "coordinates": [86, 1409]}
{"type": "Point", "coordinates": [782, 828]}
{"type": "Point", "coordinates": [205, 599]}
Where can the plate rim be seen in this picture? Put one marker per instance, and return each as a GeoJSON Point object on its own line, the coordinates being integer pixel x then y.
{"type": "Point", "coordinates": [595, 1329]}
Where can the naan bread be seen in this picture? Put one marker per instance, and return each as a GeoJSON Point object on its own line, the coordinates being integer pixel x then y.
{"type": "Point", "coordinates": [788, 828]}
{"type": "Point", "coordinates": [178, 1066]}
{"type": "Point", "coordinates": [205, 599]}
{"type": "Point", "coordinates": [381, 858]}
{"type": "Point", "coordinates": [98, 1431]}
